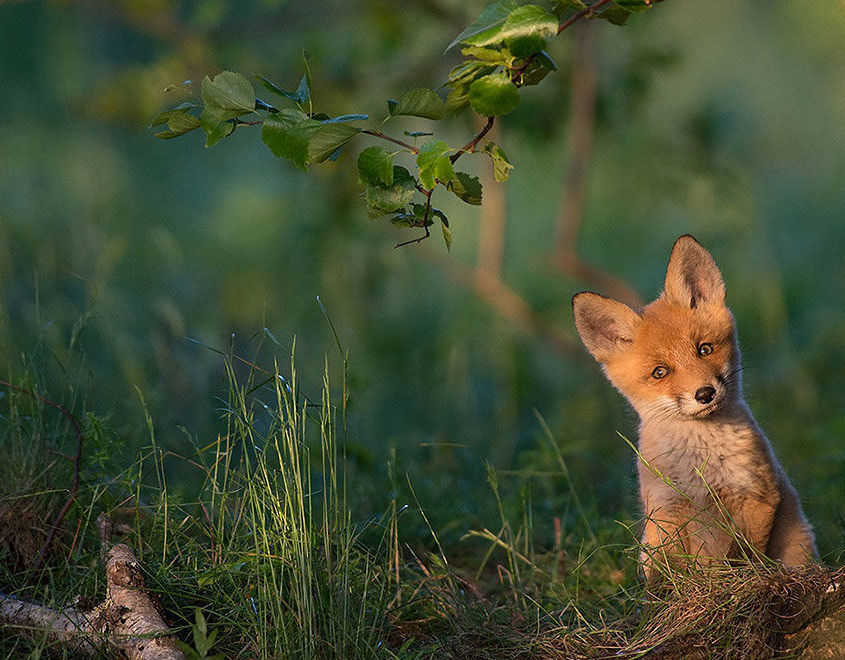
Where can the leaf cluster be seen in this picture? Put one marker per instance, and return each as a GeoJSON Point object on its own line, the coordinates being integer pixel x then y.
{"type": "Point", "coordinates": [504, 50]}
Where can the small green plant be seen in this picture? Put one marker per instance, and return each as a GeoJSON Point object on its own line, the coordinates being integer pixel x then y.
{"type": "Point", "coordinates": [203, 640]}
{"type": "Point", "coordinates": [504, 50]}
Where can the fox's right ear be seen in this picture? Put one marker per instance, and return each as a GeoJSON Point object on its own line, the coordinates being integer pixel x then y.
{"type": "Point", "coordinates": [605, 325]}
{"type": "Point", "coordinates": [692, 276]}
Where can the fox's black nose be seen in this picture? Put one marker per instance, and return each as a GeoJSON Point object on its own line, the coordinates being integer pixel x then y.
{"type": "Point", "coordinates": [705, 394]}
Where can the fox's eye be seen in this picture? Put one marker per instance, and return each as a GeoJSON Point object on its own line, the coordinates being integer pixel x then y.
{"type": "Point", "coordinates": [660, 372]}
{"type": "Point", "coordinates": [705, 349]}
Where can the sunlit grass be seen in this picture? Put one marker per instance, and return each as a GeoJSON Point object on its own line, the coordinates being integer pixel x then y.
{"type": "Point", "coordinates": [262, 542]}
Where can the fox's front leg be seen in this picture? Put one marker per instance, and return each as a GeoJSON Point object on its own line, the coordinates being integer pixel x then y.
{"type": "Point", "coordinates": [753, 517]}
{"type": "Point", "coordinates": [664, 539]}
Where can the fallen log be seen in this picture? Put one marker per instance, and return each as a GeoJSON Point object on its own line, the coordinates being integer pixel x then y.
{"type": "Point", "coordinates": [127, 620]}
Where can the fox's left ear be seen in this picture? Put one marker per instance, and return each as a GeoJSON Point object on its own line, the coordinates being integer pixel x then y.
{"type": "Point", "coordinates": [692, 277]}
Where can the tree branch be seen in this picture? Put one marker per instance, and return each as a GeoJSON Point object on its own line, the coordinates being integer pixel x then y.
{"type": "Point", "coordinates": [385, 136]}
{"type": "Point", "coordinates": [589, 11]}
{"type": "Point", "coordinates": [472, 144]}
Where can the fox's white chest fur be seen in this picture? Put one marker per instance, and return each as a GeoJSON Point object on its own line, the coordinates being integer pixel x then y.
{"type": "Point", "coordinates": [700, 457]}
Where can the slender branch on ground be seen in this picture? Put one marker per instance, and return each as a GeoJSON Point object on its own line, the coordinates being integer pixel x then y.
{"type": "Point", "coordinates": [76, 458]}
{"type": "Point", "coordinates": [580, 133]}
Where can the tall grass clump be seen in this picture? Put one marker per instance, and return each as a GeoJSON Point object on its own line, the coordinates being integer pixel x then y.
{"type": "Point", "coordinates": [281, 531]}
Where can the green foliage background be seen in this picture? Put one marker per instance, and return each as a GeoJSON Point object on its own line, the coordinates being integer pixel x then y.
{"type": "Point", "coordinates": [123, 258]}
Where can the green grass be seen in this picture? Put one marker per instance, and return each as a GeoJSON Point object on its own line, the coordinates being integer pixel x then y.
{"type": "Point", "coordinates": [259, 555]}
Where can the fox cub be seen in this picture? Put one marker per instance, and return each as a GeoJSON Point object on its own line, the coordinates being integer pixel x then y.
{"type": "Point", "coordinates": [677, 362]}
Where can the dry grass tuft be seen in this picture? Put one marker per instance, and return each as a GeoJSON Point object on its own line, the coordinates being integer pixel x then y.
{"type": "Point", "coordinates": [23, 527]}
{"type": "Point", "coordinates": [737, 612]}
{"type": "Point", "coordinates": [734, 612]}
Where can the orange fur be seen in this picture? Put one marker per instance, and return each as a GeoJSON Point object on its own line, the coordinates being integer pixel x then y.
{"type": "Point", "coordinates": [710, 486]}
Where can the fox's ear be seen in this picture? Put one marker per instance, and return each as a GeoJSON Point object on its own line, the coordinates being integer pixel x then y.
{"type": "Point", "coordinates": [692, 277]}
{"type": "Point", "coordinates": [605, 325]}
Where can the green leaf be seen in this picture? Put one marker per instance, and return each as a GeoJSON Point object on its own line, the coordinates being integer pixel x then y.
{"type": "Point", "coordinates": [273, 87]}
{"type": "Point", "coordinates": [216, 130]}
{"type": "Point", "coordinates": [457, 99]}
{"type": "Point", "coordinates": [390, 199]}
{"type": "Point", "coordinates": [434, 164]}
{"type": "Point", "coordinates": [419, 103]}
{"type": "Point", "coordinates": [486, 25]}
{"type": "Point", "coordinates": [526, 46]}
{"type": "Point", "coordinates": [419, 215]}
{"type": "Point", "coordinates": [635, 5]}
{"type": "Point", "coordinates": [328, 138]}
{"type": "Point", "coordinates": [523, 28]}
{"type": "Point", "coordinates": [182, 122]}
{"type": "Point", "coordinates": [499, 56]}
{"type": "Point", "coordinates": [375, 167]}
{"type": "Point", "coordinates": [447, 235]}
{"type": "Point", "coordinates": [303, 92]}
{"type": "Point", "coordinates": [538, 69]}
{"type": "Point", "coordinates": [466, 187]}
{"type": "Point", "coordinates": [228, 96]}
{"type": "Point", "coordinates": [164, 117]}
{"type": "Point", "coordinates": [501, 165]}
{"type": "Point", "coordinates": [460, 79]}
{"type": "Point", "coordinates": [571, 4]}
{"type": "Point", "coordinates": [614, 14]}
{"type": "Point", "coordinates": [263, 105]}
{"type": "Point", "coordinates": [168, 135]}
{"type": "Point", "coordinates": [493, 95]}
{"type": "Point", "coordinates": [178, 122]}
{"type": "Point", "coordinates": [300, 96]}
{"type": "Point", "coordinates": [468, 72]}
{"type": "Point", "coordinates": [288, 134]}
{"type": "Point", "coordinates": [526, 29]}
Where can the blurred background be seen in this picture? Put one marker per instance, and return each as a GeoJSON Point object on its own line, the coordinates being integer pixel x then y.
{"type": "Point", "coordinates": [129, 265]}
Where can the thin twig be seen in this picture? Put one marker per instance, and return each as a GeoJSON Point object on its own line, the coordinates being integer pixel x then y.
{"type": "Point", "coordinates": [384, 136]}
{"type": "Point", "coordinates": [581, 14]}
{"type": "Point", "coordinates": [419, 239]}
{"type": "Point", "coordinates": [74, 486]}
{"type": "Point", "coordinates": [470, 146]}
{"type": "Point", "coordinates": [425, 221]}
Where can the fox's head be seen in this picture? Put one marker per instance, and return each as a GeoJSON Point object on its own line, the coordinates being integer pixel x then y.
{"type": "Point", "coordinates": [678, 357]}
